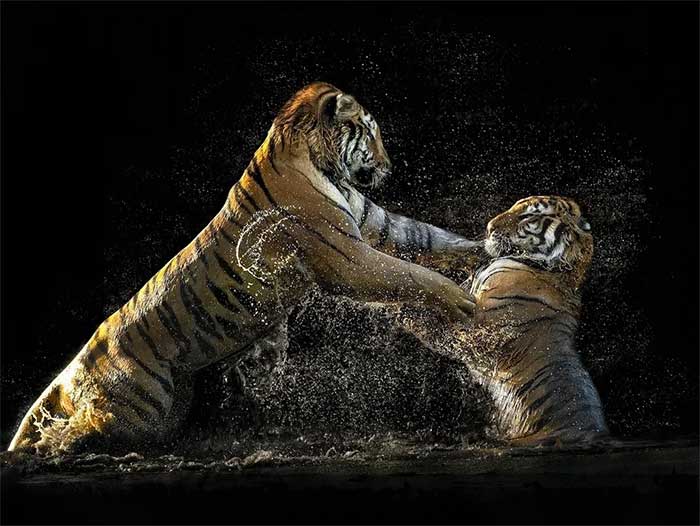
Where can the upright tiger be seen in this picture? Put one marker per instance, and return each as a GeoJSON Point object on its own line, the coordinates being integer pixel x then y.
{"type": "Point", "coordinates": [520, 345]}
{"type": "Point", "coordinates": [293, 218]}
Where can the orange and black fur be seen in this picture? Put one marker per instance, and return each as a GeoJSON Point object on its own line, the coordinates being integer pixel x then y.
{"type": "Point", "coordinates": [542, 248]}
{"type": "Point", "coordinates": [521, 343]}
{"type": "Point", "coordinates": [294, 218]}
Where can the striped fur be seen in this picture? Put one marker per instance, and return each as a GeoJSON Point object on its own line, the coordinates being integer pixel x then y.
{"type": "Point", "coordinates": [528, 294]}
{"type": "Point", "coordinates": [293, 218]}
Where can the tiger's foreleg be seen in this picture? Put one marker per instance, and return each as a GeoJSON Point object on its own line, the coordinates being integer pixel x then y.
{"type": "Point", "coordinates": [365, 274]}
{"type": "Point", "coordinates": [408, 238]}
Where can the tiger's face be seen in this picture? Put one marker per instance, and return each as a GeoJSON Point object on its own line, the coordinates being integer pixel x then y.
{"type": "Point", "coordinates": [360, 149]}
{"type": "Point", "coordinates": [549, 230]}
{"type": "Point", "coordinates": [343, 139]}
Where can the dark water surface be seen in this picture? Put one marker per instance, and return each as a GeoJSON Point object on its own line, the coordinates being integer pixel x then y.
{"type": "Point", "coordinates": [386, 479]}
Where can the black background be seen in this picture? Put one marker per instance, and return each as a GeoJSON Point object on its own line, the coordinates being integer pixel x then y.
{"type": "Point", "coordinates": [98, 98]}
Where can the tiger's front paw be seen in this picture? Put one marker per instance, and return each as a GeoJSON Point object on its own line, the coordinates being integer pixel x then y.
{"type": "Point", "coordinates": [443, 293]}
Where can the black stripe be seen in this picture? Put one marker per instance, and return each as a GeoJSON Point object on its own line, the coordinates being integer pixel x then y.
{"type": "Point", "coordinates": [349, 235]}
{"type": "Point", "coordinates": [254, 172]}
{"type": "Point", "coordinates": [429, 244]}
{"type": "Point", "coordinates": [95, 351]}
{"type": "Point", "coordinates": [228, 238]}
{"type": "Point", "coordinates": [245, 299]}
{"type": "Point", "coordinates": [543, 374]}
{"type": "Point", "coordinates": [147, 398]}
{"type": "Point", "coordinates": [527, 324]}
{"type": "Point", "coordinates": [321, 238]}
{"type": "Point", "coordinates": [384, 234]}
{"type": "Point", "coordinates": [365, 211]}
{"type": "Point", "coordinates": [546, 223]}
{"type": "Point", "coordinates": [251, 342]}
{"type": "Point", "coordinates": [122, 400]}
{"type": "Point", "coordinates": [135, 297]}
{"type": "Point", "coordinates": [221, 297]}
{"type": "Point", "coordinates": [557, 231]}
{"type": "Point", "coordinates": [355, 140]}
{"type": "Point", "coordinates": [250, 198]}
{"type": "Point", "coordinates": [504, 306]}
{"type": "Point", "coordinates": [172, 325]}
{"type": "Point", "coordinates": [200, 250]}
{"type": "Point", "coordinates": [231, 273]}
{"type": "Point", "coordinates": [233, 220]}
{"type": "Point", "coordinates": [533, 361]}
{"type": "Point", "coordinates": [418, 234]}
{"type": "Point", "coordinates": [550, 412]}
{"type": "Point", "coordinates": [534, 406]}
{"type": "Point", "coordinates": [167, 386]}
{"type": "Point", "coordinates": [528, 299]}
{"type": "Point", "coordinates": [149, 341]}
{"type": "Point", "coordinates": [333, 203]}
{"type": "Point", "coordinates": [241, 199]}
{"type": "Point", "coordinates": [271, 158]}
{"type": "Point", "coordinates": [412, 236]}
{"type": "Point", "coordinates": [564, 327]}
{"type": "Point", "coordinates": [519, 269]}
{"type": "Point", "coordinates": [101, 350]}
{"type": "Point", "coordinates": [193, 304]}
{"type": "Point", "coordinates": [228, 270]}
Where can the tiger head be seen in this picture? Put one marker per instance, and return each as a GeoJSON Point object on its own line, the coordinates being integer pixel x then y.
{"type": "Point", "coordinates": [343, 138]}
{"type": "Point", "coordinates": [547, 230]}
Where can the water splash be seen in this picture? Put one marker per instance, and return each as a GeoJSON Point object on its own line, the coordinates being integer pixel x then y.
{"type": "Point", "coordinates": [259, 234]}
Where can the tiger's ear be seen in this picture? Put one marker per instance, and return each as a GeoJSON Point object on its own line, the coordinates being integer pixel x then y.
{"type": "Point", "coordinates": [346, 107]}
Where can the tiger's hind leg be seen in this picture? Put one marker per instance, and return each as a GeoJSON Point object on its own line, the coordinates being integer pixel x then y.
{"type": "Point", "coordinates": [53, 425]}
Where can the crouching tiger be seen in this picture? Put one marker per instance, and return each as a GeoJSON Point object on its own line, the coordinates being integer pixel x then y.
{"type": "Point", "coordinates": [292, 219]}
{"type": "Point", "coordinates": [520, 345]}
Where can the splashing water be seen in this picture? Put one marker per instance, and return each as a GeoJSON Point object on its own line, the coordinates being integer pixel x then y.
{"type": "Point", "coordinates": [259, 233]}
